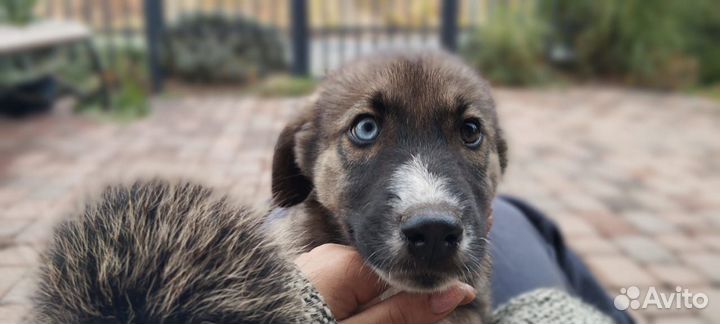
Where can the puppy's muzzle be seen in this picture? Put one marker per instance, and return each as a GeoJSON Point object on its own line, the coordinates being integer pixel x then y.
{"type": "Point", "coordinates": [432, 238]}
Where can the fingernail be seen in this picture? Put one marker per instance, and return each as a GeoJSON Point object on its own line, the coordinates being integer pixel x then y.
{"type": "Point", "coordinates": [466, 288]}
{"type": "Point", "coordinates": [441, 303]}
{"type": "Point", "coordinates": [469, 293]}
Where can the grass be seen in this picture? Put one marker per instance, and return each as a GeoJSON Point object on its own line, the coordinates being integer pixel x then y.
{"type": "Point", "coordinates": [708, 91]}
{"type": "Point", "coordinates": [284, 86]}
{"type": "Point", "coordinates": [129, 98]}
{"type": "Point", "coordinates": [127, 104]}
{"type": "Point", "coordinates": [122, 116]}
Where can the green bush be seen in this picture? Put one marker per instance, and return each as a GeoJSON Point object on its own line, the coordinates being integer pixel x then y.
{"type": "Point", "coordinates": [658, 43]}
{"type": "Point", "coordinates": [126, 77]}
{"type": "Point", "coordinates": [509, 48]}
{"type": "Point", "coordinates": [130, 97]}
{"type": "Point", "coordinates": [214, 47]}
{"type": "Point", "coordinates": [703, 22]}
{"type": "Point", "coordinates": [17, 12]}
{"type": "Point", "coordinates": [666, 44]}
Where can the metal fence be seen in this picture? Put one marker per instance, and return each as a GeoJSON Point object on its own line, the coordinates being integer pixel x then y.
{"type": "Point", "coordinates": [319, 34]}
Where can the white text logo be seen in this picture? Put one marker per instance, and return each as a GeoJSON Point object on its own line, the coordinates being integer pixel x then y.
{"type": "Point", "coordinates": [678, 299]}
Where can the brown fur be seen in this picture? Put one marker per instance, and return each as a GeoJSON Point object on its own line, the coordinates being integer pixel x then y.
{"type": "Point", "coordinates": [165, 252]}
{"type": "Point", "coordinates": [311, 177]}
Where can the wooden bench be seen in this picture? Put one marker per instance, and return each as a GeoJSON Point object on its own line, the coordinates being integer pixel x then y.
{"type": "Point", "coordinates": [53, 34]}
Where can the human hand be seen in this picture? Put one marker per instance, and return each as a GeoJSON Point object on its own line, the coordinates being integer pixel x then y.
{"type": "Point", "coordinates": [348, 286]}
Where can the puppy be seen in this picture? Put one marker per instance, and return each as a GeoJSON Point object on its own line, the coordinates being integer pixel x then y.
{"type": "Point", "coordinates": [400, 157]}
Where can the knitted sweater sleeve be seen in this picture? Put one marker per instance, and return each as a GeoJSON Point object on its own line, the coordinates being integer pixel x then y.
{"type": "Point", "coordinates": [548, 306]}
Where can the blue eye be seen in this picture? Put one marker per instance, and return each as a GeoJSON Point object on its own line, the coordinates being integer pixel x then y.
{"type": "Point", "coordinates": [365, 130]}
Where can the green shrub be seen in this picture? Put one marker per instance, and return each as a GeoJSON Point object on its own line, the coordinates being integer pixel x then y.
{"type": "Point", "coordinates": [130, 97]}
{"type": "Point", "coordinates": [658, 43]}
{"type": "Point", "coordinates": [214, 47]}
{"type": "Point", "coordinates": [703, 22]}
{"type": "Point", "coordinates": [509, 48]}
{"type": "Point", "coordinates": [17, 12]}
{"type": "Point", "coordinates": [127, 79]}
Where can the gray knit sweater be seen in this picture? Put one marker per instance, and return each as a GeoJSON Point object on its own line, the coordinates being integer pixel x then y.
{"type": "Point", "coordinates": [548, 306]}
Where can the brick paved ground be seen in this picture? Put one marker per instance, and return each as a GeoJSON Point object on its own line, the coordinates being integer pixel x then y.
{"type": "Point", "coordinates": [632, 177]}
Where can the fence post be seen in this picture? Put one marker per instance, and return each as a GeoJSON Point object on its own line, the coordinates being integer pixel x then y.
{"type": "Point", "coordinates": [449, 27]}
{"type": "Point", "coordinates": [300, 37]}
{"type": "Point", "coordinates": [154, 29]}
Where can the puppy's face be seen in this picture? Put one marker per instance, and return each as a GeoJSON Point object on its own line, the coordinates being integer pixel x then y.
{"type": "Point", "coordinates": [405, 153]}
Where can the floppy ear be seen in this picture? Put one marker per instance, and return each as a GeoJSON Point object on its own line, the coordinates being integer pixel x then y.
{"type": "Point", "coordinates": [291, 182]}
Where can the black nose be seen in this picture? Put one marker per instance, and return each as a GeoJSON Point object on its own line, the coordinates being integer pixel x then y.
{"type": "Point", "coordinates": [432, 238]}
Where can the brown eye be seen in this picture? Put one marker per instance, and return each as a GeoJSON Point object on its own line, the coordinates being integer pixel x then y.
{"type": "Point", "coordinates": [470, 133]}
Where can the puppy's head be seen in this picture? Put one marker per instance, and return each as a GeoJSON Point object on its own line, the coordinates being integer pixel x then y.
{"type": "Point", "coordinates": [405, 153]}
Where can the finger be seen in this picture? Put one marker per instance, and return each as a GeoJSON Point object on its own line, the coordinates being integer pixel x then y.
{"type": "Point", "coordinates": [340, 275]}
{"type": "Point", "coordinates": [348, 270]}
{"type": "Point", "coordinates": [416, 308]}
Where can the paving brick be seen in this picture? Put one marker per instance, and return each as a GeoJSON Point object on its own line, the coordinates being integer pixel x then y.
{"type": "Point", "coordinates": [582, 202]}
{"type": "Point", "coordinates": [644, 249]}
{"type": "Point", "coordinates": [650, 223]}
{"type": "Point", "coordinates": [620, 271]}
{"type": "Point", "coordinates": [713, 218]}
{"type": "Point", "coordinates": [36, 234]}
{"type": "Point", "coordinates": [654, 201]}
{"type": "Point", "coordinates": [21, 292]}
{"type": "Point", "coordinates": [682, 220]}
{"type": "Point", "coordinates": [13, 313]}
{"type": "Point", "coordinates": [700, 229]}
{"type": "Point", "coordinates": [9, 276]}
{"type": "Point", "coordinates": [18, 255]}
{"type": "Point", "coordinates": [575, 226]}
{"type": "Point", "coordinates": [677, 275]}
{"type": "Point", "coordinates": [654, 313]}
{"type": "Point", "coordinates": [679, 243]}
{"type": "Point", "coordinates": [706, 263]}
{"type": "Point", "coordinates": [25, 210]}
{"type": "Point", "coordinates": [609, 225]}
{"type": "Point", "coordinates": [8, 196]}
{"type": "Point", "coordinates": [593, 245]}
{"type": "Point", "coordinates": [712, 312]}
{"type": "Point", "coordinates": [687, 319]}
{"type": "Point", "coordinates": [600, 188]}
{"type": "Point", "coordinates": [711, 241]}
{"type": "Point", "coordinates": [11, 228]}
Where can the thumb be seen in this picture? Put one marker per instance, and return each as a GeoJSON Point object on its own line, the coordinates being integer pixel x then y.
{"type": "Point", "coordinates": [416, 308]}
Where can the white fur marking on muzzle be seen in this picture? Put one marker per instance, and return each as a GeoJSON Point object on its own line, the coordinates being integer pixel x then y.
{"type": "Point", "coordinates": [415, 185]}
